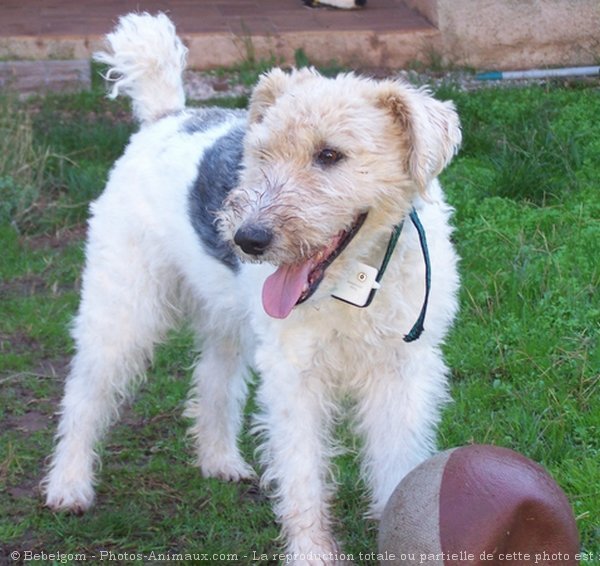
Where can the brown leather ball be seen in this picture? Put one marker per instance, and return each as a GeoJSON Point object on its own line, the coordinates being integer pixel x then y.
{"type": "Point", "coordinates": [478, 505]}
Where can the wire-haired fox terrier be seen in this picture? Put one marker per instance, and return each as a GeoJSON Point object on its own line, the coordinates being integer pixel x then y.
{"type": "Point", "coordinates": [303, 238]}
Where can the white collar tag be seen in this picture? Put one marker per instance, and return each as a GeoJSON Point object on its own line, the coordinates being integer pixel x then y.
{"type": "Point", "coordinates": [364, 280]}
{"type": "Point", "coordinates": [357, 288]}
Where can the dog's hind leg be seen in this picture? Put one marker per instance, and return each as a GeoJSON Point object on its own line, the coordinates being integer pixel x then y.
{"type": "Point", "coordinates": [123, 313]}
{"type": "Point", "coordinates": [216, 404]}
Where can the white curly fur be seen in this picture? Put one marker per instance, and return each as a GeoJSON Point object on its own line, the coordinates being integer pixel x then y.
{"type": "Point", "coordinates": [146, 60]}
{"type": "Point", "coordinates": [147, 268]}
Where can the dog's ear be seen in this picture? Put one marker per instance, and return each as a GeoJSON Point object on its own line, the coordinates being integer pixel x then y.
{"type": "Point", "coordinates": [271, 86]}
{"type": "Point", "coordinates": [432, 129]}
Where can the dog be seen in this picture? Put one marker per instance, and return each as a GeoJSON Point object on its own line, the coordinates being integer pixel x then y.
{"type": "Point", "coordinates": [341, 4]}
{"type": "Point", "coordinates": [302, 238]}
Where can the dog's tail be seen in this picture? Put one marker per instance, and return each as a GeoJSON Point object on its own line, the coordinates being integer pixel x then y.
{"type": "Point", "coordinates": [146, 60]}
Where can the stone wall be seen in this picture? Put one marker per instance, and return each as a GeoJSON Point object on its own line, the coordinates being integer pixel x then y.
{"type": "Point", "coordinates": [504, 34]}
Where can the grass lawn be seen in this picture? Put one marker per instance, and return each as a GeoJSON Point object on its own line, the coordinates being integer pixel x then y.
{"type": "Point", "coordinates": [524, 353]}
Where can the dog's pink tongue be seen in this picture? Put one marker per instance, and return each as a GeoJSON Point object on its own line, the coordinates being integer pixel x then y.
{"type": "Point", "coordinates": [283, 288]}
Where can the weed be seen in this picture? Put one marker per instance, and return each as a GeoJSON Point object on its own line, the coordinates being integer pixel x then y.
{"type": "Point", "coordinates": [22, 163]}
{"type": "Point", "coordinates": [301, 59]}
{"type": "Point", "coordinates": [251, 67]}
{"type": "Point", "coordinates": [331, 69]}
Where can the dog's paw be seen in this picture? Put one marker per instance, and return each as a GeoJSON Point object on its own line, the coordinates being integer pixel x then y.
{"type": "Point", "coordinates": [229, 470]}
{"type": "Point", "coordinates": [72, 498]}
{"type": "Point", "coordinates": [309, 549]}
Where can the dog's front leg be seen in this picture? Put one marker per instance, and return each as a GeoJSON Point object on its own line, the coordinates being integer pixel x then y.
{"type": "Point", "coordinates": [216, 405]}
{"type": "Point", "coordinates": [398, 412]}
{"type": "Point", "coordinates": [296, 424]}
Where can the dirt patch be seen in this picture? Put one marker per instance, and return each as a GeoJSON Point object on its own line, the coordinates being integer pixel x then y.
{"type": "Point", "coordinates": [35, 284]}
{"type": "Point", "coordinates": [23, 286]}
{"type": "Point", "coordinates": [29, 422]}
{"type": "Point", "coordinates": [56, 368]}
{"type": "Point", "coordinates": [250, 491]}
{"type": "Point", "coordinates": [57, 240]}
{"type": "Point", "coordinates": [31, 285]}
{"type": "Point", "coordinates": [52, 371]}
{"type": "Point", "coordinates": [29, 488]}
{"type": "Point", "coordinates": [17, 342]}
{"type": "Point", "coordinates": [206, 86]}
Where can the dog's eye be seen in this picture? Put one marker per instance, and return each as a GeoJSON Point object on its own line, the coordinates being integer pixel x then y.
{"type": "Point", "coordinates": [328, 156]}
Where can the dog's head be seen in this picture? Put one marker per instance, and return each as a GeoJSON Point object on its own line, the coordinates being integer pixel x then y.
{"type": "Point", "coordinates": [330, 163]}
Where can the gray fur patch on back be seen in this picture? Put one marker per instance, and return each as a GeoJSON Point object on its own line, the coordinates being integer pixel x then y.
{"type": "Point", "coordinates": [204, 119]}
{"type": "Point", "coordinates": [218, 173]}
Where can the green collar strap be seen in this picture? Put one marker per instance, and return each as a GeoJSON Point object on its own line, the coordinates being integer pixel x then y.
{"type": "Point", "coordinates": [362, 288]}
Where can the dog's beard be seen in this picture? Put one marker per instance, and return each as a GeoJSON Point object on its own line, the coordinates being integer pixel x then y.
{"type": "Point", "coordinates": [294, 283]}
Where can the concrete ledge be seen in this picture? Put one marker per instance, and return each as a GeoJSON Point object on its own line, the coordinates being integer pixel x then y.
{"type": "Point", "coordinates": [48, 47]}
{"type": "Point", "coordinates": [350, 48]}
{"type": "Point", "coordinates": [27, 77]}
{"type": "Point", "coordinates": [218, 32]}
{"type": "Point", "coordinates": [354, 48]}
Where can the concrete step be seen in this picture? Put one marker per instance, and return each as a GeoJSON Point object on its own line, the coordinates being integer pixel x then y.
{"type": "Point", "coordinates": [226, 32]}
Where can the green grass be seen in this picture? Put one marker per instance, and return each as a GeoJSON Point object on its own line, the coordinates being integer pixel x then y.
{"type": "Point", "coordinates": [524, 353]}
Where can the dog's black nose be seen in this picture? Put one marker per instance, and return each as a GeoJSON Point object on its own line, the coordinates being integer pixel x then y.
{"type": "Point", "coordinates": [253, 238]}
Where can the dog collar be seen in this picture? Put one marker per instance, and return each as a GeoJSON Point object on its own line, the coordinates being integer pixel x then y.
{"type": "Point", "coordinates": [360, 289]}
